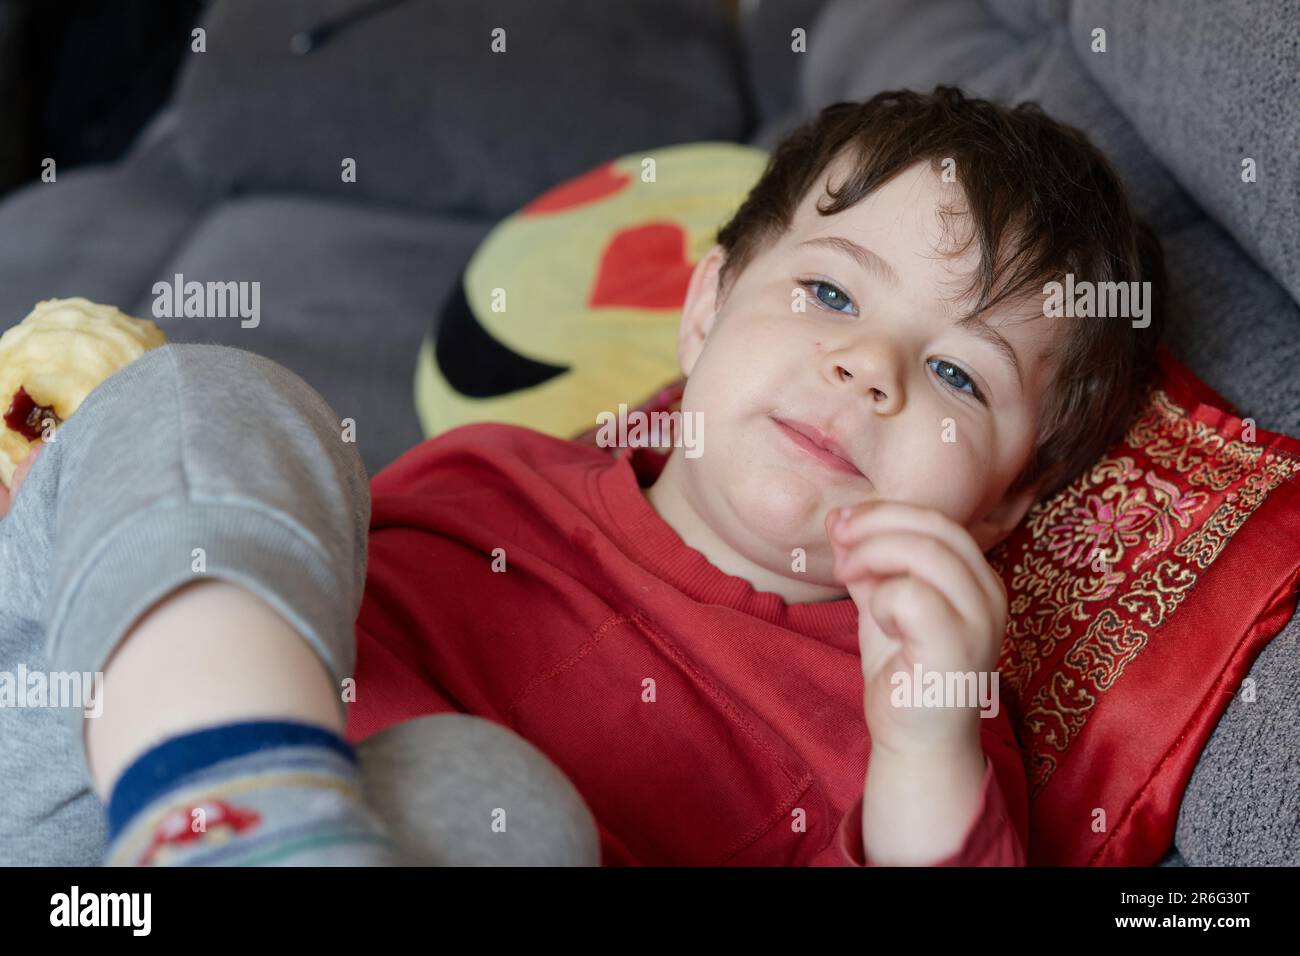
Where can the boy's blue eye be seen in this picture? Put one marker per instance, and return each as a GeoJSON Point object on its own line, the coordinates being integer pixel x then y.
{"type": "Point", "coordinates": [836, 300]}
{"type": "Point", "coordinates": [954, 376]}
{"type": "Point", "coordinates": [832, 297]}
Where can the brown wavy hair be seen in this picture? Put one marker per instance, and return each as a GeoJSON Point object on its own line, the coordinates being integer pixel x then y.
{"type": "Point", "coordinates": [1042, 201]}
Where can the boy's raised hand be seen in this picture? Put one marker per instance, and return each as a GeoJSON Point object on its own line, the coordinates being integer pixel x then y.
{"type": "Point", "coordinates": [925, 595]}
{"type": "Point", "coordinates": [20, 474]}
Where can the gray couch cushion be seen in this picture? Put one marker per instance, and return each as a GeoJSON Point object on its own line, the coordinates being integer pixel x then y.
{"type": "Point", "coordinates": [1234, 326]}
{"type": "Point", "coordinates": [1207, 83]}
{"type": "Point", "coordinates": [771, 66]}
{"type": "Point", "coordinates": [857, 50]}
{"type": "Point", "coordinates": [1242, 805]}
{"type": "Point", "coordinates": [98, 232]}
{"type": "Point", "coordinates": [432, 116]}
{"type": "Point", "coordinates": [1027, 17]}
{"type": "Point", "coordinates": [346, 293]}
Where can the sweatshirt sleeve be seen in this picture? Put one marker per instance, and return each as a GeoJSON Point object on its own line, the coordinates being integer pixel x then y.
{"type": "Point", "coordinates": [998, 833]}
{"type": "Point", "coordinates": [990, 841]}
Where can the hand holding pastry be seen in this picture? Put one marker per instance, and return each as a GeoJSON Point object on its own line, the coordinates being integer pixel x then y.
{"type": "Point", "coordinates": [20, 474]}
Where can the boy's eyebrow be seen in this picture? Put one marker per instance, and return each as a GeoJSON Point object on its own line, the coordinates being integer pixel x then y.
{"type": "Point", "coordinates": [974, 323]}
{"type": "Point", "coordinates": [865, 258]}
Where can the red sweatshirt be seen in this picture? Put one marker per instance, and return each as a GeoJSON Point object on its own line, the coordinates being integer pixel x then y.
{"type": "Point", "coordinates": [704, 722]}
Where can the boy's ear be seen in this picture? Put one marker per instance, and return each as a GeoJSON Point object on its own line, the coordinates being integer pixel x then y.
{"type": "Point", "coordinates": [1002, 520]}
{"type": "Point", "coordinates": [700, 310]}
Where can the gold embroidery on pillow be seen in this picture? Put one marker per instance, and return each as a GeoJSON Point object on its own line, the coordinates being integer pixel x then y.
{"type": "Point", "coordinates": [1096, 568]}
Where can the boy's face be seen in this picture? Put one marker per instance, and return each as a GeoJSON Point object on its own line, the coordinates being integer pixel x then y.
{"type": "Point", "coordinates": [875, 368]}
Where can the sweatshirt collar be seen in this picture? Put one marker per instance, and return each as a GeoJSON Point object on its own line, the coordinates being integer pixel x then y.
{"type": "Point", "coordinates": [631, 518]}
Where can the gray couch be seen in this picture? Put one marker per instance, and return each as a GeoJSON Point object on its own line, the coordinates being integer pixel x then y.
{"type": "Point", "coordinates": [239, 179]}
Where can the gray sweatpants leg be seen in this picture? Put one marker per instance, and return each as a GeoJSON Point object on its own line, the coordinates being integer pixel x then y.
{"type": "Point", "coordinates": [194, 461]}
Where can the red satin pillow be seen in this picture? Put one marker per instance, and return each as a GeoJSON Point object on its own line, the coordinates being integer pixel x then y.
{"type": "Point", "coordinates": [1139, 596]}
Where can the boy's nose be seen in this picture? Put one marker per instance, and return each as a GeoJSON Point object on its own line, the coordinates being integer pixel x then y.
{"type": "Point", "coordinates": [871, 376]}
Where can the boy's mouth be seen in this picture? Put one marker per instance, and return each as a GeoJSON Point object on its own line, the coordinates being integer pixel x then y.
{"type": "Point", "coordinates": [818, 445]}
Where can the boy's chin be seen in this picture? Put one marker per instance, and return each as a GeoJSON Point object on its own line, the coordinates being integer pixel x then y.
{"type": "Point", "coordinates": [784, 508]}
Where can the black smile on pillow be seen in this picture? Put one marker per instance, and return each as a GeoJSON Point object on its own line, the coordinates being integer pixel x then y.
{"type": "Point", "coordinates": [474, 363]}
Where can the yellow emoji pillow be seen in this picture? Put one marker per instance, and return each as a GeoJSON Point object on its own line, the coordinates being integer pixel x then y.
{"type": "Point", "coordinates": [571, 305]}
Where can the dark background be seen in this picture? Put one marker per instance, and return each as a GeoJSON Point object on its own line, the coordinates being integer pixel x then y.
{"type": "Point", "coordinates": [95, 71]}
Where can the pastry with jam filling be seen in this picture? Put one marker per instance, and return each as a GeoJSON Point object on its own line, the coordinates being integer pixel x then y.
{"type": "Point", "coordinates": [53, 359]}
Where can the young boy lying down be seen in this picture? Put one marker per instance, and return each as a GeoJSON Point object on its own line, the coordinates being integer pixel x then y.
{"type": "Point", "coordinates": [725, 661]}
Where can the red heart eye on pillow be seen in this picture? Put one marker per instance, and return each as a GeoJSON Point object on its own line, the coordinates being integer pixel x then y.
{"type": "Point", "coordinates": [643, 267]}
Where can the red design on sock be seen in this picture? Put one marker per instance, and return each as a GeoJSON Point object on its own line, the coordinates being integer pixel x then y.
{"type": "Point", "coordinates": [221, 821]}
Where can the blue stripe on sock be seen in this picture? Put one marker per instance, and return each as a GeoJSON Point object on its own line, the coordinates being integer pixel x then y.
{"type": "Point", "coordinates": [161, 768]}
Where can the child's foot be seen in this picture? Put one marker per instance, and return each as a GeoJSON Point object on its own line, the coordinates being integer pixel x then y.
{"type": "Point", "coordinates": [264, 793]}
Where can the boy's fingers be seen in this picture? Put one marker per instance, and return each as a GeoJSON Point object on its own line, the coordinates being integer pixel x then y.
{"type": "Point", "coordinates": [877, 517]}
{"type": "Point", "coordinates": [922, 556]}
{"type": "Point", "coordinates": [20, 475]}
{"type": "Point", "coordinates": [24, 466]}
{"type": "Point", "coordinates": [913, 611]}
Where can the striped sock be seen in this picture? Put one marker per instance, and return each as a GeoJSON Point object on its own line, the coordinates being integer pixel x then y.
{"type": "Point", "coordinates": [262, 793]}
